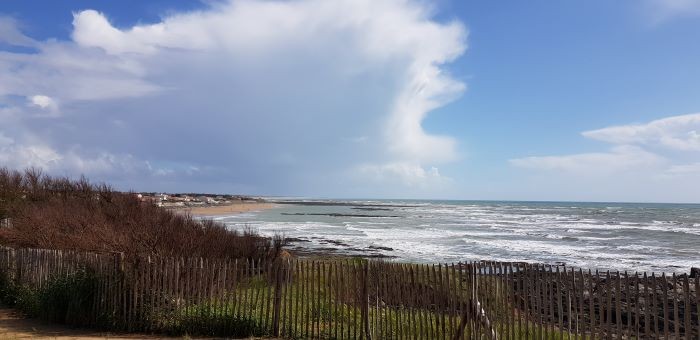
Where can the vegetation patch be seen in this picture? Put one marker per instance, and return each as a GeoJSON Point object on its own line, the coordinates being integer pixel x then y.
{"type": "Point", "coordinates": [42, 211]}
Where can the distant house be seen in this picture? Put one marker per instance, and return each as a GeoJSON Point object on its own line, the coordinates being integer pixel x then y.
{"type": "Point", "coordinates": [180, 198]}
{"type": "Point", "coordinates": [206, 199]}
{"type": "Point", "coordinates": [173, 204]}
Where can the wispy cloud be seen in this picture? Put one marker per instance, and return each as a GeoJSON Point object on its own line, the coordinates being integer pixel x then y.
{"type": "Point", "coordinates": [10, 33]}
{"type": "Point", "coordinates": [663, 10]}
{"type": "Point", "coordinates": [677, 132]}
{"type": "Point", "coordinates": [618, 159]}
{"type": "Point", "coordinates": [655, 157]}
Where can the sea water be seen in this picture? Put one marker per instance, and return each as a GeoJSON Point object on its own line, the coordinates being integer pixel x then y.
{"type": "Point", "coordinates": [612, 236]}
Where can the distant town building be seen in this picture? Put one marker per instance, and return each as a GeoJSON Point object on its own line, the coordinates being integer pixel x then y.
{"type": "Point", "coordinates": [206, 199]}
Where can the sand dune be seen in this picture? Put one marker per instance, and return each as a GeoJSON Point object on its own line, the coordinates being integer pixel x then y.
{"type": "Point", "coordinates": [234, 208]}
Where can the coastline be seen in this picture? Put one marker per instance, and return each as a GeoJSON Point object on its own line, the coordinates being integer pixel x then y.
{"type": "Point", "coordinates": [233, 208]}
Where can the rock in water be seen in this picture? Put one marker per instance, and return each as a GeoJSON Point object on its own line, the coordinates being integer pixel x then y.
{"type": "Point", "coordinates": [694, 273]}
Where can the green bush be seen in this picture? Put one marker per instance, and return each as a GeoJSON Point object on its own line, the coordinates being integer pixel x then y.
{"type": "Point", "coordinates": [68, 299]}
{"type": "Point", "coordinates": [19, 296]}
{"type": "Point", "coordinates": [64, 299]}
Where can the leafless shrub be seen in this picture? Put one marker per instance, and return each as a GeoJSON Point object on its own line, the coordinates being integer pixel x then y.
{"type": "Point", "coordinates": [61, 213]}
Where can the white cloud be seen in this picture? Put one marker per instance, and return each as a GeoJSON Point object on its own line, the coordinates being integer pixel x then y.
{"type": "Point", "coordinates": [41, 101]}
{"type": "Point", "coordinates": [661, 10]}
{"type": "Point", "coordinates": [676, 132]}
{"type": "Point", "coordinates": [46, 104]}
{"type": "Point", "coordinates": [646, 162]}
{"type": "Point", "coordinates": [11, 34]}
{"type": "Point", "coordinates": [409, 174]}
{"type": "Point", "coordinates": [74, 161]}
{"type": "Point", "coordinates": [635, 147]}
{"type": "Point", "coordinates": [16, 155]}
{"type": "Point", "coordinates": [682, 169]}
{"type": "Point", "coordinates": [230, 88]}
{"type": "Point", "coordinates": [618, 159]}
{"type": "Point", "coordinates": [378, 32]}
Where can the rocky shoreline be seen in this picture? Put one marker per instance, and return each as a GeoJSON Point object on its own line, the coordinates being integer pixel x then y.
{"type": "Point", "coordinates": [334, 248]}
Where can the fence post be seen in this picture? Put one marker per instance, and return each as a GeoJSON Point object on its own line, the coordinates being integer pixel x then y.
{"type": "Point", "coordinates": [365, 299]}
{"type": "Point", "coordinates": [18, 266]}
{"type": "Point", "coordinates": [276, 302]}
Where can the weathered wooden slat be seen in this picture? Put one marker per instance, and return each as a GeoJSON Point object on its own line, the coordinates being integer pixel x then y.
{"type": "Point", "coordinates": [310, 304]}
{"type": "Point", "coordinates": [580, 287]}
{"type": "Point", "coordinates": [539, 292]}
{"type": "Point", "coordinates": [559, 293]}
{"type": "Point", "coordinates": [687, 310]}
{"type": "Point", "coordinates": [595, 300]}
{"type": "Point", "coordinates": [328, 292]}
{"type": "Point", "coordinates": [431, 306]}
{"type": "Point", "coordinates": [257, 305]}
{"type": "Point", "coordinates": [215, 291]}
{"type": "Point", "coordinates": [346, 301]}
{"type": "Point", "coordinates": [284, 298]}
{"type": "Point", "coordinates": [609, 308]}
{"type": "Point", "coordinates": [675, 297]}
{"type": "Point", "coordinates": [647, 306]}
{"type": "Point", "coordinates": [599, 304]}
{"type": "Point", "coordinates": [514, 306]}
{"type": "Point", "coordinates": [235, 290]}
{"type": "Point", "coordinates": [618, 305]}
{"type": "Point", "coordinates": [335, 294]}
{"type": "Point", "coordinates": [401, 305]}
{"type": "Point", "coordinates": [378, 315]}
{"type": "Point", "coordinates": [526, 298]}
{"type": "Point", "coordinates": [654, 307]}
{"type": "Point", "coordinates": [250, 290]}
{"type": "Point", "coordinates": [385, 302]}
{"type": "Point", "coordinates": [277, 297]}
{"type": "Point", "coordinates": [227, 291]}
{"type": "Point", "coordinates": [628, 305]}
{"type": "Point", "coordinates": [413, 319]}
{"type": "Point", "coordinates": [697, 305]}
{"type": "Point", "coordinates": [521, 300]}
{"type": "Point", "coordinates": [422, 302]}
{"type": "Point", "coordinates": [551, 306]}
{"type": "Point", "coordinates": [664, 281]}
{"type": "Point", "coordinates": [123, 290]}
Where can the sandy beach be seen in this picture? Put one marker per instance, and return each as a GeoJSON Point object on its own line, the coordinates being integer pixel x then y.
{"type": "Point", "coordinates": [233, 208]}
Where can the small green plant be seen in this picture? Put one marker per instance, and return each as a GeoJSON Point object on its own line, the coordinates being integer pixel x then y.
{"type": "Point", "coordinates": [68, 299]}
{"type": "Point", "coordinates": [19, 296]}
{"type": "Point", "coordinates": [205, 320]}
{"type": "Point", "coordinates": [26, 300]}
{"type": "Point", "coordinates": [64, 299]}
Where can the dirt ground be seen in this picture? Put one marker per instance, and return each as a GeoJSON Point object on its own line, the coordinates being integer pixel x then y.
{"type": "Point", "coordinates": [15, 326]}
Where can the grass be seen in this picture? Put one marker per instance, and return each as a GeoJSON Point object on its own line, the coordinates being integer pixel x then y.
{"type": "Point", "coordinates": [313, 303]}
{"type": "Point", "coordinates": [247, 311]}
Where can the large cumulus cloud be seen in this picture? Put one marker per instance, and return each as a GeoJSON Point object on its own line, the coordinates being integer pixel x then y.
{"type": "Point", "coordinates": [263, 96]}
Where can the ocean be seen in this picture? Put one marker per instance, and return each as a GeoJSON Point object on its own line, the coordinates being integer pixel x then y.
{"type": "Point", "coordinates": [606, 236]}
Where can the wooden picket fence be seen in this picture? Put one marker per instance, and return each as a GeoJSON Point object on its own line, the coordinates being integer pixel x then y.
{"type": "Point", "coordinates": [351, 299]}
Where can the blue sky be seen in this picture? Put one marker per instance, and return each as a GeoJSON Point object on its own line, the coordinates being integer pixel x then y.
{"type": "Point", "coordinates": [540, 100]}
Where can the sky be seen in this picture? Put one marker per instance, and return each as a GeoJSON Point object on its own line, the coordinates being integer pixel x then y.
{"type": "Point", "coordinates": [447, 99]}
